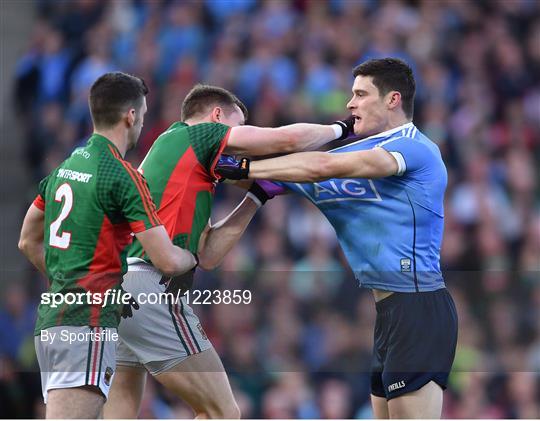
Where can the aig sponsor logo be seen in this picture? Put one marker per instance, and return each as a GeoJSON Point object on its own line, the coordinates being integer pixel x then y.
{"type": "Point", "coordinates": [338, 190]}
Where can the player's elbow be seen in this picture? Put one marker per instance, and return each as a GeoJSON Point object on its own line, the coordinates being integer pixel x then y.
{"type": "Point", "coordinates": [23, 245]}
{"type": "Point", "coordinates": [167, 265]}
{"type": "Point", "coordinates": [26, 246]}
{"type": "Point", "coordinates": [207, 262]}
{"type": "Point", "coordinates": [166, 268]}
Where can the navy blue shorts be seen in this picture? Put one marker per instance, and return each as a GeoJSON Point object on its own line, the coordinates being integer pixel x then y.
{"type": "Point", "coordinates": [415, 342]}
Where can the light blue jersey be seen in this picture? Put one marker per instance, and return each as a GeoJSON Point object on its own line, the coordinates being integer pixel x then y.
{"type": "Point", "coordinates": [390, 228]}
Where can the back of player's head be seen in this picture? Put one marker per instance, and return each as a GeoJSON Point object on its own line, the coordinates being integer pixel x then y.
{"type": "Point", "coordinates": [203, 98]}
{"type": "Point", "coordinates": [112, 95]}
{"type": "Point", "coordinates": [391, 74]}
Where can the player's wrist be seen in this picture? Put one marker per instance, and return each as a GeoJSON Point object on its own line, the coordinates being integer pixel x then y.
{"type": "Point", "coordinates": [263, 190]}
{"type": "Point", "coordinates": [254, 199]}
{"type": "Point", "coordinates": [233, 169]}
{"type": "Point", "coordinates": [257, 194]}
{"type": "Point", "coordinates": [338, 130]}
{"type": "Point", "coordinates": [344, 128]}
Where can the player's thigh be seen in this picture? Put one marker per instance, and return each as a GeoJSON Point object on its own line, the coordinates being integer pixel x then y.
{"type": "Point", "coordinates": [126, 393]}
{"type": "Point", "coordinates": [76, 402]}
{"type": "Point", "coordinates": [201, 381]}
{"type": "Point", "coordinates": [380, 407]}
{"type": "Point", "coordinates": [423, 403]}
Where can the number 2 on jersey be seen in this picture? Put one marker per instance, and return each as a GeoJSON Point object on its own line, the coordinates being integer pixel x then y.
{"type": "Point", "coordinates": [55, 240]}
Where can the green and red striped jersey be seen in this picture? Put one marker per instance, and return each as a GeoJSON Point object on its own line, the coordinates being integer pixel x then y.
{"type": "Point", "coordinates": [92, 202]}
{"type": "Point", "coordinates": [179, 169]}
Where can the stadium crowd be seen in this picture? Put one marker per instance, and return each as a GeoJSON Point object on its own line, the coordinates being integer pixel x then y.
{"type": "Point", "coordinates": [302, 348]}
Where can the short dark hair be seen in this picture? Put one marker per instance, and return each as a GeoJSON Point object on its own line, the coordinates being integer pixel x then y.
{"type": "Point", "coordinates": [112, 94]}
{"type": "Point", "coordinates": [202, 97]}
{"type": "Point", "coordinates": [391, 74]}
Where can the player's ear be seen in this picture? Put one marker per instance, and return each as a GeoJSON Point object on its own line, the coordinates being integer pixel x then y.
{"type": "Point", "coordinates": [217, 115]}
{"type": "Point", "coordinates": [393, 99]}
{"type": "Point", "coordinates": [131, 116]}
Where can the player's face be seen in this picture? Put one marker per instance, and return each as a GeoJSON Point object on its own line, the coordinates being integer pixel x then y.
{"type": "Point", "coordinates": [135, 130]}
{"type": "Point", "coordinates": [369, 108]}
{"type": "Point", "coordinates": [233, 118]}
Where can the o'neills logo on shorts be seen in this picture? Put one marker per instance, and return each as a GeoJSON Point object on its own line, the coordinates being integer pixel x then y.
{"type": "Point", "coordinates": [202, 332]}
{"type": "Point", "coordinates": [108, 375]}
{"type": "Point", "coordinates": [395, 386]}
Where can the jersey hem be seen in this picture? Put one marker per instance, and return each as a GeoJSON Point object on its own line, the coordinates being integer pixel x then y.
{"type": "Point", "coordinates": [383, 287]}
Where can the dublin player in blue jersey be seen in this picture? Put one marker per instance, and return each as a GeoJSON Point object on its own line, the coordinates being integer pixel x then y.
{"type": "Point", "coordinates": [383, 194]}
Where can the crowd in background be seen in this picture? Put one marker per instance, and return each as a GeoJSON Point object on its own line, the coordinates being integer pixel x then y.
{"type": "Point", "coordinates": [302, 348]}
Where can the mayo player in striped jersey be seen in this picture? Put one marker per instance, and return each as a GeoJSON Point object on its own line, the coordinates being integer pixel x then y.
{"type": "Point", "coordinates": [167, 339]}
{"type": "Point", "coordinates": [384, 196]}
{"type": "Point", "coordinates": [76, 232]}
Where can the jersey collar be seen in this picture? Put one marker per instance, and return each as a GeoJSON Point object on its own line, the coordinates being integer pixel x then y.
{"type": "Point", "coordinates": [390, 132]}
{"type": "Point", "coordinates": [104, 140]}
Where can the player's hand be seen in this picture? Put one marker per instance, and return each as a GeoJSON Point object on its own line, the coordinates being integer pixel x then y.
{"type": "Point", "coordinates": [264, 190]}
{"type": "Point", "coordinates": [127, 310]}
{"type": "Point", "coordinates": [231, 168]}
{"type": "Point", "coordinates": [179, 285]}
{"type": "Point", "coordinates": [347, 125]}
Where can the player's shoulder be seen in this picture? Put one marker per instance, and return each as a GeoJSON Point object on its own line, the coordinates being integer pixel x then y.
{"type": "Point", "coordinates": [412, 136]}
{"type": "Point", "coordinates": [113, 168]}
{"type": "Point", "coordinates": [174, 128]}
{"type": "Point", "coordinates": [207, 129]}
{"type": "Point", "coordinates": [423, 139]}
{"type": "Point", "coordinates": [193, 133]}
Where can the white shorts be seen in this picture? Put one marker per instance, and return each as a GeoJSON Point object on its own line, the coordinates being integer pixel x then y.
{"type": "Point", "coordinates": [88, 360]}
{"type": "Point", "coordinates": [159, 335]}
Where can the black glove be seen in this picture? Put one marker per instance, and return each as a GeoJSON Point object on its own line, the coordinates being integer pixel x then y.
{"type": "Point", "coordinates": [264, 190]}
{"type": "Point", "coordinates": [231, 168]}
{"type": "Point", "coordinates": [347, 125]}
{"type": "Point", "coordinates": [126, 309]}
{"type": "Point", "coordinates": [181, 283]}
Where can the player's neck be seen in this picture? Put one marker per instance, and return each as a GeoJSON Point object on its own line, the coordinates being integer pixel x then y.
{"type": "Point", "coordinates": [396, 121]}
{"type": "Point", "coordinates": [198, 120]}
{"type": "Point", "coordinates": [117, 135]}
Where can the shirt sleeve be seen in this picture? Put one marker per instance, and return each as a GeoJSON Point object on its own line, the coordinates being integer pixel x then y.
{"type": "Point", "coordinates": [39, 201]}
{"type": "Point", "coordinates": [208, 141]}
{"type": "Point", "coordinates": [410, 155]}
{"type": "Point", "coordinates": [134, 200]}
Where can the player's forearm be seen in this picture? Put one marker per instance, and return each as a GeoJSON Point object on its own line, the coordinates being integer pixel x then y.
{"type": "Point", "coordinates": [298, 167]}
{"type": "Point", "coordinates": [224, 235]}
{"type": "Point", "coordinates": [257, 141]}
{"type": "Point", "coordinates": [307, 136]}
{"type": "Point", "coordinates": [34, 253]}
{"type": "Point", "coordinates": [178, 262]}
{"type": "Point", "coordinates": [318, 166]}
{"type": "Point", "coordinates": [169, 259]}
